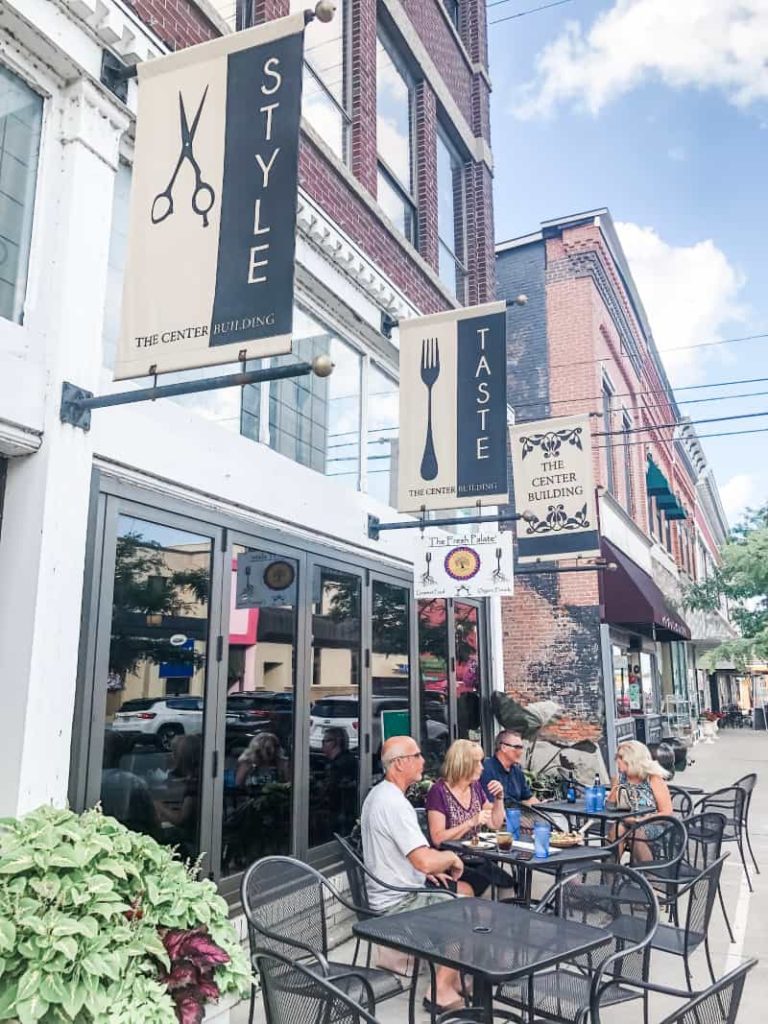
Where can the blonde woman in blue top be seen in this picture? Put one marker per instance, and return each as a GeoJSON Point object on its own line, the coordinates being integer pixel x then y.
{"type": "Point", "coordinates": [644, 780]}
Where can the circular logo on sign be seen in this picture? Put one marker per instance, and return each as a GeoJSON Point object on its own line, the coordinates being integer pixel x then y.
{"type": "Point", "coordinates": [279, 575]}
{"type": "Point", "coordinates": [462, 563]}
{"type": "Point", "coordinates": [178, 640]}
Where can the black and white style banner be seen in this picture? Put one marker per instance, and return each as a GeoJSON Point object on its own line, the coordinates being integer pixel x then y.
{"type": "Point", "coordinates": [553, 479]}
{"type": "Point", "coordinates": [453, 409]}
{"type": "Point", "coordinates": [213, 214]}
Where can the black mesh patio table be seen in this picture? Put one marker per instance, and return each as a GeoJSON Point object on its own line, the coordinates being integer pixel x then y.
{"type": "Point", "coordinates": [558, 861]}
{"type": "Point", "coordinates": [579, 810]}
{"type": "Point", "coordinates": [494, 942]}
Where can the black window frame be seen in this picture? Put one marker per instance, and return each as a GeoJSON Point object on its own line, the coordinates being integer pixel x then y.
{"type": "Point", "coordinates": [408, 196]}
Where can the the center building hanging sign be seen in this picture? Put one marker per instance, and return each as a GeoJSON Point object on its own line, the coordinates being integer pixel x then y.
{"type": "Point", "coordinates": [554, 484]}
{"type": "Point", "coordinates": [209, 275]}
{"type": "Point", "coordinates": [453, 409]}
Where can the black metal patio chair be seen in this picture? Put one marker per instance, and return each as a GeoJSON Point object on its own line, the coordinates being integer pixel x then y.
{"type": "Point", "coordinates": [285, 904]}
{"type": "Point", "coordinates": [747, 783]}
{"type": "Point", "coordinates": [682, 801]}
{"type": "Point", "coordinates": [607, 896]}
{"type": "Point", "coordinates": [655, 845]}
{"type": "Point", "coordinates": [718, 1004]}
{"type": "Point", "coordinates": [704, 846]}
{"type": "Point", "coordinates": [685, 939]}
{"type": "Point", "coordinates": [729, 802]}
{"type": "Point", "coordinates": [294, 994]}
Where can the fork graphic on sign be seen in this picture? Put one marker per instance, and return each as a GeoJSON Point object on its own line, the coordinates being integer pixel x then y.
{"type": "Point", "coordinates": [430, 371]}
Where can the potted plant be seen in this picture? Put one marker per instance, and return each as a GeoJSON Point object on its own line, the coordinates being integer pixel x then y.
{"type": "Point", "coordinates": [101, 925]}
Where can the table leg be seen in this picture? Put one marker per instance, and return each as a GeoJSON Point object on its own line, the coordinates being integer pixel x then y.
{"type": "Point", "coordinates": [482, 996]}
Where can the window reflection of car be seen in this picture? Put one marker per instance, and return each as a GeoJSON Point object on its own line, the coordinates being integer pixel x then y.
{"type": "Point", "coordinates": [157, 720]}
{"type": "Point", "coordinates": [343, 712]}
{"type": "Point", "coordinates": [249, 714]}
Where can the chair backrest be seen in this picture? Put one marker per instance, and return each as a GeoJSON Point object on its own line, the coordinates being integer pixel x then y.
{"type": "Point", "coordinates": [719, 1004]}
{"type": "Point", "coordinates": [617, 899]}
{"type": "Point", "coordinates": [701, 900]}
{"type": "Point", "coordinates": [747, 784]}
{"type": "Point", "coordinates": [284, 904]}
{"type": "Point", "coordinates": [356, 876]}
{"type": "Point", "coordinates": [656, 844]}
{"type": "Point", "coordinates": [730, 802]}
{"type": "Point", "coordinates": [705, 838]}
{"type": "Point", "coordinates": [682, 802]}
{"type": "Point", "coordinates": [294, 995]}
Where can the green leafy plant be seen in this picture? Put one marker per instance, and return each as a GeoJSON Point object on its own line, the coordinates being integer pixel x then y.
{"type": "Point", "coordinates": [85, 909]}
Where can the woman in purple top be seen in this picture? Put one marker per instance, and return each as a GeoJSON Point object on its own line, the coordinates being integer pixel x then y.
{"type": "Point", "coordinates": [458, 808]}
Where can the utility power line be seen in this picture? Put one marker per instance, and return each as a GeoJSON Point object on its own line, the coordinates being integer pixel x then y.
{"type": "Point", "coordinates": [647, 392]}
{"type": "Point", "coordinates": [530, 10]}
{"type": "Point", "coordinates": [646, 441]}
{"type": "Point", "coordinates": [669, 426]}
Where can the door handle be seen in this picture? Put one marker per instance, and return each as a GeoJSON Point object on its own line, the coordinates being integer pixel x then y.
{"type": "Point", "coordinates": [367, 743]}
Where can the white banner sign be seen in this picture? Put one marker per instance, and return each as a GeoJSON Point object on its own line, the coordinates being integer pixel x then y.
{"type": "Point", "coordinates": [211, 247]}
{"type": "Point", "coordinates": [553, 480]}
{"type": "Point", "coordinates": [453, 409]}
{"type": "Point", "coordinates": [477, 562]}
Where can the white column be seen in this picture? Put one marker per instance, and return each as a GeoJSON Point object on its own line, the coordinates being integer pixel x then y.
{"type": "Point", "coordinates": [43, 539]}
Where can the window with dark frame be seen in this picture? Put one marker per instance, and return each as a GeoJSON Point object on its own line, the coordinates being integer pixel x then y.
{"type": "Point", "coordinates": [452, 8]}
{"type": "Point", "coordinates": [395, 106]}
{"type": "Point", "coordinates": [626, 427]}
{"type": "Point", "coordinates": [21, 120]}
{"type": "Point", "coordinates": [607, 392]}
{"type": "Point", "coordinates": [451, 217]}
{"type": "Point", "coordinates": [325, 94]}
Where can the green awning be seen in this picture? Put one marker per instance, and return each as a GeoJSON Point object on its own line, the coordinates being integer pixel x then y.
{"type": "Point", "coordinates": [655, 480]}
{"type": "Point", "coordinates": [678, 512]}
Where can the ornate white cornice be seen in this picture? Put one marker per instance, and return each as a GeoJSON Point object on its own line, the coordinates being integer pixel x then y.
{"type": "Point", "coordinates": [330, 241]}
{"type": "Point", "coordinates": [115, 28]}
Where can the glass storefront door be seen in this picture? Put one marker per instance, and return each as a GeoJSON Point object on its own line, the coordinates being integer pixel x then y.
{"type": "Point", "coordinates": [390, 666]}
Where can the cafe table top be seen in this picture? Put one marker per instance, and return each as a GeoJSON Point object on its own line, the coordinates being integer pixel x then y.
{"type": "Point", "coordinates": [557, 860]}
{"type": "Point", "coordinates": [578, 809]}
{"type": "Point", "coordinates": [495, 942]}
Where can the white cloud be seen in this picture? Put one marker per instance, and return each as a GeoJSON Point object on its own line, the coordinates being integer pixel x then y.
{"type": "Point", "coordinates": [690, 293]}
{"type": "Point", "coordinates": [739, 494]}
{"type": "Point", "coordinates": [677, 153]}
{"type": "Point", "coordinates": [703, 44]}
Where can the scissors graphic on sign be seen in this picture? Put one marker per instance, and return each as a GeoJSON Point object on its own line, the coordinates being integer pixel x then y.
{"type": "Point", "coordinates": [203, 197]}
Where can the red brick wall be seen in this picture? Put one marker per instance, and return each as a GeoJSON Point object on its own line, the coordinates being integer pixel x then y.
{"type": "Point", "coordinates": [436, 34]}
{"type": "Point", "coordinates": [426, 172]}
{"type": "Point", "coordinates": [363, 111]}
{"type": "Point", "coordinates": [179, 23]}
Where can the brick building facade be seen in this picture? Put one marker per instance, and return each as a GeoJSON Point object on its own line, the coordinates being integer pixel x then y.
{"type": "Point", "coordinates": [583, 344]}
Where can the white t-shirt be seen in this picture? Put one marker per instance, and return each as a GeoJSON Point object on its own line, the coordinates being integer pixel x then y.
{"type": "Point", "coordinates": [390, 830]}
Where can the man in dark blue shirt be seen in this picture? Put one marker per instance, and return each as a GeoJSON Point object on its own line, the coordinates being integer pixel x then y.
{"type": "Point", "coordinates": [504, 767]}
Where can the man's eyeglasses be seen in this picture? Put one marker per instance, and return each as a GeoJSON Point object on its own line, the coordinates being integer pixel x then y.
{"type": "Point", "coordinates": [404, 757]}
{"type": "Point", "coordinates": [513, 746]}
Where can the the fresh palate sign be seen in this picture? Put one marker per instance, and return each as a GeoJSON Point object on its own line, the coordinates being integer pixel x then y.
{"type": "Point", "coordinates": [554, 483]}
{"type": "Point", "coordinates": [477, 562]}
{"type": "Point", "coordinates": [209, 276]}
{"type": "Point", "coordinates": [453, 409]}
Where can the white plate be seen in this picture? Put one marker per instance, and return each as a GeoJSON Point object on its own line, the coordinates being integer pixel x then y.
{"type": "Point", "coordinates": [483, 844]}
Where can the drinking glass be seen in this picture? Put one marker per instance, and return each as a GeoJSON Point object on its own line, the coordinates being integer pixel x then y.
{"type": "Point", "coordinates": [513, 822]}
{"type": "Point", "coordinates": [541, 834]}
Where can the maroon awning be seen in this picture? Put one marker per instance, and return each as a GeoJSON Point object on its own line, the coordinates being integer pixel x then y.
{"type": "Point", "coordinates": [631, 598]}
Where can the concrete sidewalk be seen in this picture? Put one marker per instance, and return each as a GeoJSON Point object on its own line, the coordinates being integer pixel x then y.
{"type": "Point", "coordinates": [736, 753]}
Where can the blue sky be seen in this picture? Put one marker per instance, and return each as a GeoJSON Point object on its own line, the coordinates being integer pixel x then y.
{"type": "Point", "coordinates": [657, 109]}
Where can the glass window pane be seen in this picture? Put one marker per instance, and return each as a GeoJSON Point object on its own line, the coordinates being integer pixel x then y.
{"type": "Point", "coordinates": [433, 682]}
{"type": "Point", "coordinates": [390, 664]}
{"type": "Point", "coordinates": [261, 681]}
{"type": "Point", "coordinates": [396, 206]}
{"type": "Point", "coordinates": [21, 118]}
{"type": "Point", "coordinates": [393, 117]}
{"type": "Point", "coordinates": [314, 420]}
{"type": "Point", "coordinates": [323, 114]}
{"type": "Point", "coordinates": [156, 687]}
{"type": "Point", "coordinates": [467, 671]}
{"type": "Point", "coordinates": [449, 272]}
{"type": "Point", "coordinates": [381, 434]}
{"type": "Point", "coordinates": [118, 246]}
{"type": "Point", "coordinates": [334, 731]}
{"type": "Point", "coordinates": [324, 50]}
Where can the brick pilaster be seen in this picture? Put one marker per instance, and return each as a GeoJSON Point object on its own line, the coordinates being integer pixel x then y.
{"type": "Point", "coordinates": [426, 172]}
{"type": "Point", "coordinates": [363, 111]}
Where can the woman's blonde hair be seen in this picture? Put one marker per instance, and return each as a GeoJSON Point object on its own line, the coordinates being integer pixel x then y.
{"type": "Point", "coordinates": [638, 760]}
{"type": "Point", "coordinates": [262, 751]}
{"type": "Point", "coordinates": [459, 762]}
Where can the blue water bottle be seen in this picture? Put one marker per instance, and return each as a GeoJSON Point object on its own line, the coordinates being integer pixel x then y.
{"type": "Point", "coordinates": [599, 794]}
{"type": "Point", "coordinates": [570, 794]}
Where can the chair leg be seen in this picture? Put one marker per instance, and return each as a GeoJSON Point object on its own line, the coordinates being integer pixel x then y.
{"type": "Point", "coordinates": [725, 913]}
{"type": "Point", "coordinates": [751, 851]}
{"type": "Point", "coordinates": [740, 844]}
{"type": "Point", "coordinates": [252, 1007]}
{"type": "Point", "coordinates": [357, 950]}
{"type": "Point", "coordinates": [370, 952]}
{"type": "Point", "coordinates": [709, 960]}
{"type": "Point", "coordinates": [688, 975]}
{"type": "Point", "coordinates": [645, 1008]}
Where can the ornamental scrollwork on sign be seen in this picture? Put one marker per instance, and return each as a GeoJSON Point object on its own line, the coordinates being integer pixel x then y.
{"type": "Point", "coordinates": [551, 441]}
{"type": "Point", "coordinates": [557, 519]}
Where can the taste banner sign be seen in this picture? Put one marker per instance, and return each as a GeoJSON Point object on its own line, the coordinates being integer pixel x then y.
{"type": "Point", "coordinates": [553, 479]}
{"type": "Point", "coordinates": [453, 409]}
{"type": "Point", "coordinates": [209, 275]}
